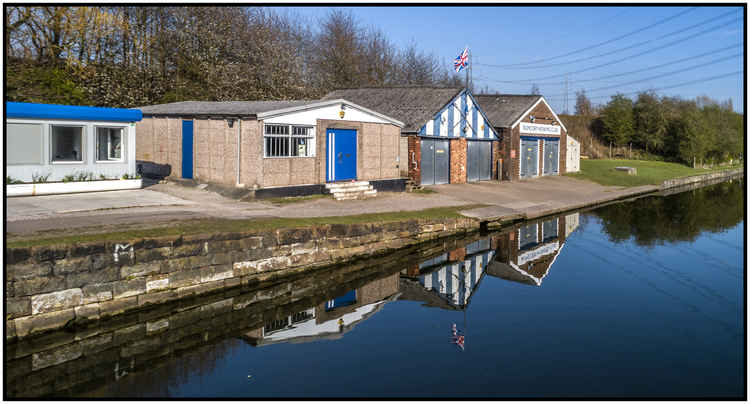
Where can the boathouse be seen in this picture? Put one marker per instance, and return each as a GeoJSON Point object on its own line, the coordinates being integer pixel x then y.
{"type": "Point", "coordinates": [48, 144]}
{"type": "Point", "coordinates": [445, 137]}
{"type": "Point", "coordinates": [533, 138]}
{"type": "Point", "coordinates": [277, 148]}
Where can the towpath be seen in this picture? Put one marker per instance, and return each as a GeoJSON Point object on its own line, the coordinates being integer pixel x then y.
{"type": "Point", "coordinates": [169, 202]}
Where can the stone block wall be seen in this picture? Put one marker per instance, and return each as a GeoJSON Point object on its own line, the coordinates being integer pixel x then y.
{"type": "Point", "coordinates": [48, 288]}
{"type": "Point", "coordinates": [458, 161]}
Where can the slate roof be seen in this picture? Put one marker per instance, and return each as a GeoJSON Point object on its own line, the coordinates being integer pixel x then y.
{"type": "Point", "coordinates": [225, 108]}
{"type": "Point", "coordinates": [504, 109]}
{"type": "Point", "coordinates": [413, 106]}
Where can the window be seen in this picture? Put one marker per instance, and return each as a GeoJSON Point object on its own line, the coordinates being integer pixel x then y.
{"type": "Point", "coordinates": [109, 144]}
{"type": "Point", "coordinates": [24, 143]}
{"type": "Point", "coordinates": [288, 141]}
{"type": "Point", "coordinates": [66, 143]}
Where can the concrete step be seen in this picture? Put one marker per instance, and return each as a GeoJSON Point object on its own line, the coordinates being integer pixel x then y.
{"type": "Point", "coordinates": [340, 196]}
{"type": "Point", "coordinates": [352, 189]}
{"type": "Point", "coordinates": [340, 185]}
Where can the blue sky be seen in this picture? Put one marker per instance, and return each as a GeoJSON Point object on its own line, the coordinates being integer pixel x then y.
{"type": "Point", "coordinates": [516, 35]}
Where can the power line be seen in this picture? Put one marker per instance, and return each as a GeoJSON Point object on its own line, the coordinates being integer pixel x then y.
{"type": "Point", "coordinates": [663, 74]}
{"type": "Point", "coordinates": [659, 48]}
{"type": "Point", "coordinates": [601, 43]}
{"type": "Point", "coordinates": [679, 31]}
{"type": "Point", "coordinates": [687, 83]}
{"type": "Point", "coordinates": [523, 82]}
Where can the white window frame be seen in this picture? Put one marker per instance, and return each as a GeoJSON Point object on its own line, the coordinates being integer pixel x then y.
{"type": "Point", "coordinates": [84, 143]}
{"type": "Point", "coordinates": [311, 151]}
{"type": "Point", "coordinates": [45, 138]}
{"type": "Point", "coordinates": [123, 144]}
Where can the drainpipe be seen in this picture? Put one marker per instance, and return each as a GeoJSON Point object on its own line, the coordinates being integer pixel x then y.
{"type": "Point", "coordinates": [239, 135]}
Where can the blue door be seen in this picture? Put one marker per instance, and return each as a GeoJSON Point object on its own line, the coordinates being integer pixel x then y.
{"type": "Point", "coordinates": [187, 149]}
{"type": "Point", "coordinates": [341, 153]}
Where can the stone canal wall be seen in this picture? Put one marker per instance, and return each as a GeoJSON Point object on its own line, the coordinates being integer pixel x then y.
{"type": "Point", "coordinates": [678, 182]}
{"type": "Point", "coordinates": [51, 287]}
{"type": "Point", "coordinates": [87, 358]}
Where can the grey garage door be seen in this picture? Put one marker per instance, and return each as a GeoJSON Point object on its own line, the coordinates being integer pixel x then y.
{"type": "Point", "coordinates": [529, 157]}
{"type": "Point", "coordinates": [551, 156]}
{"type": "Point", "coordinates": [435, 166]}
{"type": "Point", "coordinates": [479, 160]}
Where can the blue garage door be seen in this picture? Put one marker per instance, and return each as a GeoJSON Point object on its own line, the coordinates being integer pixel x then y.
{"type": "Point", "coordinates": [341, 153]}
{"type": "Point", "coordinates": [529, 157]}
{"type": "Point", "coordinates": [434, 161]}
{"type": "Point", "coordinates": [187, 149]}
{"type": "Point", "coordinates": [551, 156]}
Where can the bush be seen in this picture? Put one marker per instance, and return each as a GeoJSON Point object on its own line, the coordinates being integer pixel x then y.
{"type": "Point", "coordinates": [11, 180]}
{"type": "Point", "coordinates": [39, 178]}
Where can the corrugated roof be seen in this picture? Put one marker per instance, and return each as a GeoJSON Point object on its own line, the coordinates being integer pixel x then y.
{"type": "Point", "coordinates": [413, 106]}
{"type": "Point", "coordinates": [504, 109]}
{"type": "Point", "coordinates": [228, 108]}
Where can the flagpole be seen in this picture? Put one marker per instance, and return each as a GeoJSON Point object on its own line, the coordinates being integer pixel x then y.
{"type": "Point", "coordinates": [467, 70]}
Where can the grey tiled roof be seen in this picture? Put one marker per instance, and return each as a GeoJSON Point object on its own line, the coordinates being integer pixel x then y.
{"type": "Point", "coordinates": [413, 106]}
{"type": "Point", "coordinates": [234, 108]}
{"type": "Point", "coordinates": [504, 109]}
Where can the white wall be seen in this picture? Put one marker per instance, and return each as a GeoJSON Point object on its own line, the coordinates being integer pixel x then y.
{"type": "Point", "coordinates": [309, 117]}
{"type": "Point", "coordinates": [573, 162]}
{"type": "Point", "coordinates": [24, 172]}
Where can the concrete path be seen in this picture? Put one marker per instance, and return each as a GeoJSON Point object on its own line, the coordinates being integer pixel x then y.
{"type": "Point", "coordinates": [169, 202]}
{"type": "Point", "coordinates": [536, 197]}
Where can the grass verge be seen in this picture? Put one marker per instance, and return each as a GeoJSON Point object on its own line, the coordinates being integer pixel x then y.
{"type": "Point", "coordinates": [207, 226]}
{"type": "Point", "coordinates": [294, 199]}
{"type": "Point", "coordinates": [649, 172]}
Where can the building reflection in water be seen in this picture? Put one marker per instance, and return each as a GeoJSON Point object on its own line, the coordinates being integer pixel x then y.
{"type": "Point", "coordinates": [131, 353]}
{"type": "Point", "coordinates": [330, 319]}
{"type": "Point", "coordinates": [526, 254]}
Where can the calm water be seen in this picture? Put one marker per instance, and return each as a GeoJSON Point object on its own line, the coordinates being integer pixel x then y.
{"type": "Point", "coordinates": [641, 298]}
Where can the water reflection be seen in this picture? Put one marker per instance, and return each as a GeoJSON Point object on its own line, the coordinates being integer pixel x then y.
{"type": "Point", "coordinates": [159, 351]}
{"type": "Point", "coordinates": [680, 217]}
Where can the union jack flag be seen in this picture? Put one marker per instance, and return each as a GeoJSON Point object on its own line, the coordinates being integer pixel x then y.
{"type": "Point", "coordinates": [462, 60]}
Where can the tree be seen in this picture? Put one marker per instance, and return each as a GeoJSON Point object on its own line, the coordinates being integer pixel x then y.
{"type": "Point", "coordinates": [650, 121]}
{"type": "Point", "coordinates": [535, 89]}
{"type": "Point", "coordinates": [583, 104]}
{"type": "Point", "coordinates": [617, 118]}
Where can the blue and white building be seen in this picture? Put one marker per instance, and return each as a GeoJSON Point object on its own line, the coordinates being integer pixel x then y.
{"type": "Point", "coordinates": [52, 143]}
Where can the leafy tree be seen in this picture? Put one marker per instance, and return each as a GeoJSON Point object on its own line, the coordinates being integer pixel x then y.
{"type": "Point", "coordinates": [617, 117]}
{"type": "Point", "coordinates": [650, 122]}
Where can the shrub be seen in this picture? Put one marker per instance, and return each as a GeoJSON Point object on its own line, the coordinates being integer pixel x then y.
{"type": "Point", "coordinates": [11, 180]}
{"type": "Point", "coordinates": [69, 178]}
{"type": "Point", "coordinates": [40, 178]}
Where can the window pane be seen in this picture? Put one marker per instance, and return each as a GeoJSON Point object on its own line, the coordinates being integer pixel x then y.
{"type": "Point", "coordinates": [24, 143]}
{"type": "Point", "coordinates": [109, 144]}
{"type": "Point", "coordinates": [67, 143]}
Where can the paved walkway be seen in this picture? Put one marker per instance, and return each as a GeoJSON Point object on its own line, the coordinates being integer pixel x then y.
{"type": "Point", "coordinates": [164, 203]}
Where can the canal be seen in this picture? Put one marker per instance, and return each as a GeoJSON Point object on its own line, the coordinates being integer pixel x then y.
{"type": "Point", "coordinates": [635, 299]}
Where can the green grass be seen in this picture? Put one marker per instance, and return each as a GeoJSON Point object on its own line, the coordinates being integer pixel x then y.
{"type": "Point", "coordinates": [294, 199]}
{"type": "Point", "coordinates": [208, 226]}
{"type": "Point", "coordinates": [423, 191]}
{"type": "Point", "coordinates": [649, 172]}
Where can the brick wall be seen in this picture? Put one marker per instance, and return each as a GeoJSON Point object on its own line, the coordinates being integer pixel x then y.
{"type": "Point", "coordinates": [496, 156]}
{"type": "Point", "coordinates": [415, 158]}
{"type": "Point", "coordinates": [158, 146]}
{"type": "Point", "coordinates": [458, 161]}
